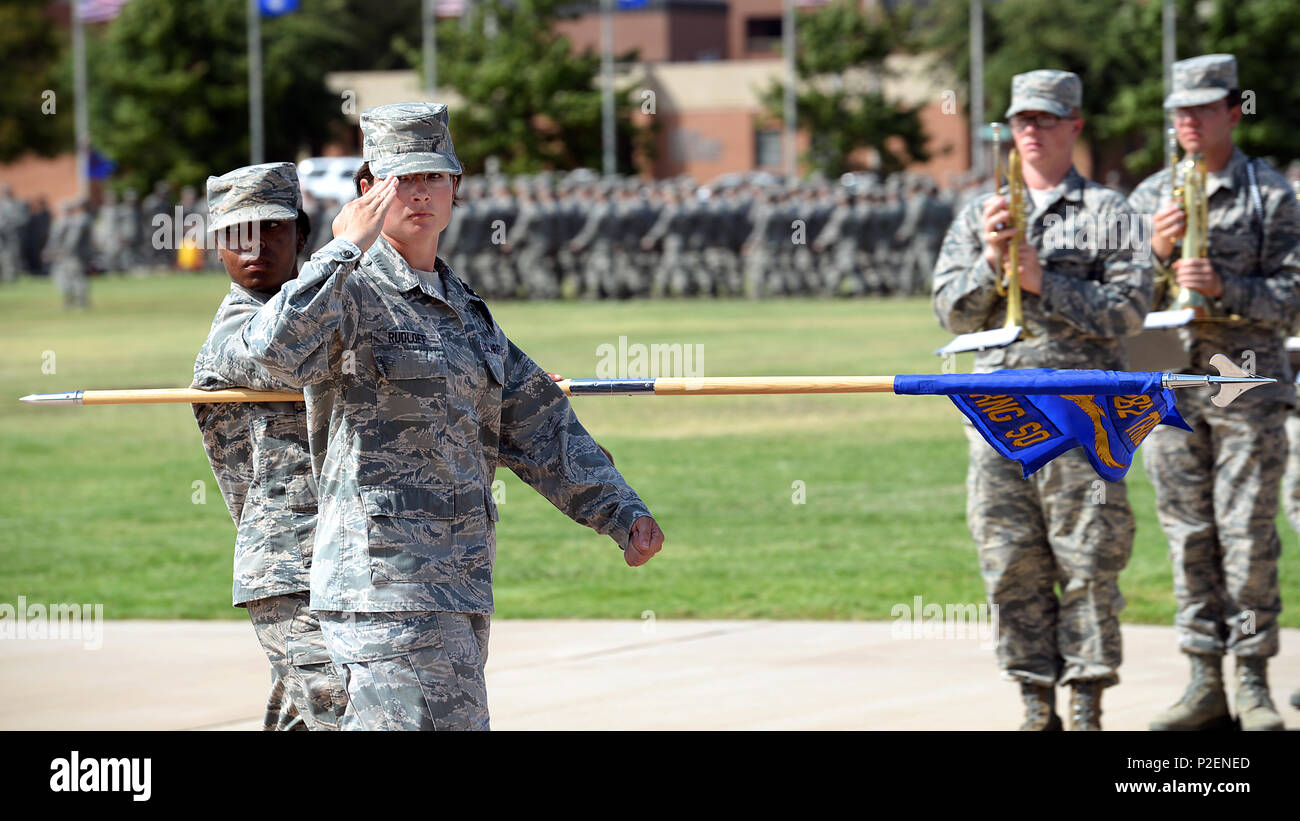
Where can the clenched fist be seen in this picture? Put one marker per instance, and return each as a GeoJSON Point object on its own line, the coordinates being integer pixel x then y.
{"type": "Point", "coordinates": [646, 540]}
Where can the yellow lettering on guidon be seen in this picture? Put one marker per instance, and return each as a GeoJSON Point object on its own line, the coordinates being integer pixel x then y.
{"type": "Point", "coordinates": [1139, 429]}
{"type": "Point", "coordinates": [998, 408]}
{"type": "Point", "coordinates": [1126, 406]}
{"type": "Point", "coordinates": [1028, 434]}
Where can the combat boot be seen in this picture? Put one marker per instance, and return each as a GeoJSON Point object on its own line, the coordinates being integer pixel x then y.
{"type": "Point", "coordinates": [1204, 706]}
{"type": "Point", "coordinates": [1255, 710]}
{"type": "Point", "coordinates": [1040, 707]}
{"type": "Point", "coordinates": [1085, 705]}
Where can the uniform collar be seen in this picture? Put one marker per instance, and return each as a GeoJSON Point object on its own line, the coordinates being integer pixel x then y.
{"type": "Point", "coordinates": [402, 277]}
{"type": "Point", "coordinates": [1069, 188]}
{"type": "Point", "coordinates": [261, 296]}
{"type": "Point", "coordinates": [1227, 178]}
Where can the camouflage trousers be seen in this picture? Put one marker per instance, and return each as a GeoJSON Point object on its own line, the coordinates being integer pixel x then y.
{"type": "Point", "coordinates": [756, 265]}
{"type": "Point", "coordinates": [306, 692]}
{"type": "Point", "coordinates": [724, 271]}
{"type": "Point", "coordinates": [1217, 497]}
{"type": "Point", "coordinates": [598, 273]}
{"type": "Point", "coordinates": [1062, 526]}
{"type": "Point", "coordinates": [1291, 478]}
{"type": "Point", "coordinates": [536, 273]}
{"type": "Point", "coordinates": [10, 259]}
{"type": "Point", "coordinates": [70, 277]}
{"type": "Point", "coordinates": [411, 670]}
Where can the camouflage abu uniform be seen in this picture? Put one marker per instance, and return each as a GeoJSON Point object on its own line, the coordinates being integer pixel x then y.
{"type": "Point", "coordinates": [414, 396]}
{"type": "Point", "coordinates": [259, 457]}
{"type": "Point", "coordinates": [1064, 524]}
{"type": "Point", "coordinates": [1217, 487]}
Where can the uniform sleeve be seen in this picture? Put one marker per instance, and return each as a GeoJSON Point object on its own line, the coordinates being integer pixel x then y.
{"type": "Point", "coordinates": [830, 232]}
{"type": "Point", "coordinates": [661, 224]}
{"type": "Point", "coordinates": [590, 227]}
{"type": "Point", "coordinates": [964, 288]}
{"type": "Point", "coordinates": [1116, 304]}
{"type": "Point", "coordinates": [220, 364]}
{"type": "Point", "coordinates": [543, 442]}
{"type": "Point", "coordinates": [1272, 296]}
{"type": "Point", "coordinates": [289, 336]}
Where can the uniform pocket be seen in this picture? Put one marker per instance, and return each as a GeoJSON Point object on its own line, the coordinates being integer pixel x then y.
{"type": "Point", "coordinates": [282, 460]}
{"type": "Point", "coordinates": [410, 535]}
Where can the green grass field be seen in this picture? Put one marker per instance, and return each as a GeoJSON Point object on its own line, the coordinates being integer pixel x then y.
{"type": "Point", "coordinates": [98, 504]}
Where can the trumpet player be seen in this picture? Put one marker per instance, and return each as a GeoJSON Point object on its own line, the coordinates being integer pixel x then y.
{"type": "Point", "coordinates": [1217, 487]}
{"type": "Point", "coordinates": [1074, 301]}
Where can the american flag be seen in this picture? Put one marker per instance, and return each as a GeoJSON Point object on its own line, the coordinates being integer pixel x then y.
{"type": "Point", "coordinates": [448, 8]}
{"type": "Point", "coordinates": [101, 11]}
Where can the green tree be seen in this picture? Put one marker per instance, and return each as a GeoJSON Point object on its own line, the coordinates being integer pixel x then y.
{"type": "Point", "coordinates": [169, 87]}
{"type": "Point", "coordinates": [1115, 48]}
{"type": "Point", "coordinates": [840, 46]}
{"type": "Point", "coordinates": [527, 98]}
{"type": "Point", "coordinates": [30, 50]}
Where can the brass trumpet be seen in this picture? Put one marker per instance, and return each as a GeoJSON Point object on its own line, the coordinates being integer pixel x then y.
{"type": "Point", "coordinates": [1190, 194]}
{"type": "Point", "coordinates": [1017, 204]}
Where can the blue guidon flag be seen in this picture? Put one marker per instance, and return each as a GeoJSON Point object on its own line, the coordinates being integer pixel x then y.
{"type": "Point", "coordinates": [1034, 415]}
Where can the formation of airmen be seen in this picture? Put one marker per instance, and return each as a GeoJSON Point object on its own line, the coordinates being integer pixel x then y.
{"type": "Point", "coordinates": [581, 236]}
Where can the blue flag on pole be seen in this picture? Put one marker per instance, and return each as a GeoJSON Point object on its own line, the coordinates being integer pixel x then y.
{"type": "Point", "coordinates": [99, 166]}
{"type": "Point", "coordinates": [1034, 415]}
{"type": "Point", "coordinates": [276, 8]}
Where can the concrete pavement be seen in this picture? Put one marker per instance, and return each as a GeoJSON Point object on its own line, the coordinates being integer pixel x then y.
{"type": "Point", "coordinates": [587, 675]}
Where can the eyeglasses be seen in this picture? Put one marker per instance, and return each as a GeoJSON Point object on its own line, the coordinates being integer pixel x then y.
{"type": "Point", "coordinates": [1045, 122]}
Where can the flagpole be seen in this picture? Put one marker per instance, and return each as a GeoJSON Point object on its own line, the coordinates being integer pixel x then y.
{"type": "Point", "coordinates": [255, 140]}
{"type": "Point", "coordinates": [1170, 51]}
{"type": "Point", "coordinates": [788, 44]}
{"type": "Point", "coordinates": [80, 115]}
{"type": "Point", "coordinates": [430, 49]}
{"type": "Point", "coordinates": [607, 86]}
{"type": "Point", "coordinates": [977, 86]}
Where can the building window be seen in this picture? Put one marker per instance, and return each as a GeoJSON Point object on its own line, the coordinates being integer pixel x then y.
{"type": "Point", "coordinates": [762, 34]}
{"type": "Point", "coordinates": [767, 149]}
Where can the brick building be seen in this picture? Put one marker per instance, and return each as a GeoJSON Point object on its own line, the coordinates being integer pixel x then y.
{"type": "Point", "coordinates": [706, 61]}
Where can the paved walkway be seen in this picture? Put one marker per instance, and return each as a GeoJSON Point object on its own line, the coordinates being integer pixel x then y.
{"type": "Point", "coordinates": [587, 675]}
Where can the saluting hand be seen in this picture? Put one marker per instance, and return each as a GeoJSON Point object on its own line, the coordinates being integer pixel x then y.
{"type": "Point", "coordinates": [362, 219]}
{"type": "Point", "coordinates": [646, 540]}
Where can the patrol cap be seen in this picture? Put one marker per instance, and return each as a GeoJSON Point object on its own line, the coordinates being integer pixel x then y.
{"type": "Point", "coordinates": [1056, 92]}
{"type": "Point", "coordinates": [1202, 80]}
{"type": "Point", "coordinates": [254, 193]}
{"type": "Point", "coordinates": [408, 138]}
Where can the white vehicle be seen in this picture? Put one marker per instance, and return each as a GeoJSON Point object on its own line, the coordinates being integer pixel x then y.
{"type": "Point", "coordinates": [329, 178]}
